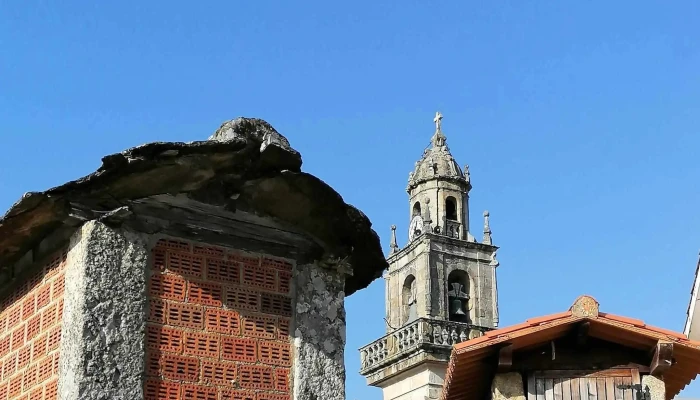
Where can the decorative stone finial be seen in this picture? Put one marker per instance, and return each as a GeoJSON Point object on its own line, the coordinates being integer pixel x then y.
{"type": "Point", "coordinates": [467, 176]}
{"type": "Point", "coordinates": [585, 306]}
{"type": "Point", "coordinates": [487, 229]}
{"type": "Point", "coordinates": [394, 246]}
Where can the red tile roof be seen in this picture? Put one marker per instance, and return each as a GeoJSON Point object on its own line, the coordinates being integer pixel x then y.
{"type": "Point", "coordinates": [468, 379]}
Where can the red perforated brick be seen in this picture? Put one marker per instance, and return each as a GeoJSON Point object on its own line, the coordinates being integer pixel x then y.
{"type": "Point", "coordinates": [17, 338]}
{"type": "Point", "coordinates": [201, 344]}
{"type": "Point", "coordinates": [45, 369]}
{"type": "Point", "coordinates": [285, 282]}
{"type": "Point", "coordinates": [223, 271]}
{"type": "Point", "coordinates": [260, 277]}
{"type": "Point", "coordinates": [159, 258]}
{"type": "Point", "coordinates": [33, 281]}
{"type": "Point", "coordinates": [242, 299]}
{"type": "Point", "coordinates": [33, 326]}
{"type": "Point", "coordinates": [163, 338]}
{"type": "Point", "coordinates": [173, 245]}
{"type": "Point", "coordinates": [248, 259]}
{"type": "Point", "coordinates": [58, 286]}
{"type": "Point", "coordinates": [56, 359]}
{"type": "Point", "coordinates": [5, 345]}
{"type": "Point", "coordinates": [205, 293]}
{"type": "Point", "coordinates": [36, 394]}
{"type": "Point", "coordinates": [218, 372]}
{"type": "Point", "coordinates": [272, 396]}
{"type": "Point", "coordinates": [49, 317]}
{"type": "Point", "coordinates": [4, 389]}
{"type": "Point", "coordinates": [51, 390]}
{"type": "Point", "coordinates": [259, 326]}
{"type": "Point", "coordinates": [168, 287]}
{"type": "Point", "coordinates": [54, 265]}
{"type": "Point", "coordinates": [276, 305]}
{"type": "Point", "coordinates": [283, 328]}
{"type": "Point", "coordinates": [24, 355]}
{"type": "Point", "coordinates": [276, 263]}
{"type": "Point", "coordinates": [39, 347]}
{"type": "Point", "coordinates": [28, 307]}
{"type": "Point", "coordinates": [186, 264]}
{"type": "Point", "coordinates": [15, 386]}
{"type": "Point", "coordinates": [54, 338]}
{"type": "Point", "coordinates": [256, 377]}
{"type": "Point", "coordinates": [208, 251]}
{"type": "Point", "coordinates": [223, 321]}
{"type": "Point", "coordinates": [179, 367]}
{"type": "Point", "coordinates": [30, 377]}
{"type": "Point", "coordinates": [195, 392]}
{"type": "Point", "coordinates": [14, 317]}
{"type": "Point", "coordinates": [156, 311]}
{"type": "Point", "coordinates": [3, 324]}
{"type": "Point", "coordinates": [187, 315]}
{"type": "Point", "coordinates": [282, 379]}
{"type": "Point", "coordinates": [153, 363]}
{"type": "Point", "coordinates": [44, 296]}
{"type": "Point", "coordinates": [9, 367]}
{"type": "Point", "coordinates": [159, 390]}
{"type": "Point", "coordinates": [237, 395]}
{"type": "Point", "coordinates": [275, 353]}
{"type": "Point", "coordinates": [59, 313]}
{"type": "Point", "coordinates": [239, 349]}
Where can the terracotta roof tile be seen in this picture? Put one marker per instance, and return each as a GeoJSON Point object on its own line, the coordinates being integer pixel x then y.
{"type": "Point", "coordinates": [667, 332]}
{"type": "Point", "coordinates": [632, 321]}
{"type": "Point", "coordinates": [503, 331]}
{"type": "Point", "coordinates": [548, 318]}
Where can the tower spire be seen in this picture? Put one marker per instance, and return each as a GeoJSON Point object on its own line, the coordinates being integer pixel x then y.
{"type": "Point", "coordinates": [487, 229]}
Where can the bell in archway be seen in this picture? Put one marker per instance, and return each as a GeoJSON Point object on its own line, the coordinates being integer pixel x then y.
{"type": "Point", "coordinates": [456, 307]}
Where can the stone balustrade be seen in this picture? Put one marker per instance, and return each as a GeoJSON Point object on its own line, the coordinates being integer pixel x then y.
{"type": "Point", "coordinates": [420, 334]}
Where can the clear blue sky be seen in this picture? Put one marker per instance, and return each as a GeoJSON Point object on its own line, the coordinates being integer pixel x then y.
{"type": "Point", "coordinates": [579, 121]}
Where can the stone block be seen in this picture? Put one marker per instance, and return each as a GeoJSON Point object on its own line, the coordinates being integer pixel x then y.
{"type": "Point", "coordinates": [508, 386]}
{"type": "Point", "coordinates": [657, 387]}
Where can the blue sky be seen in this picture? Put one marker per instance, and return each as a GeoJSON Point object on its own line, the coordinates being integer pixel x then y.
{"type": "Point", "coordinates": [579, 121]}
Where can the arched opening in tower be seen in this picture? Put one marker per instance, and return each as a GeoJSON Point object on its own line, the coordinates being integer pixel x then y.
{"type": "Point", "coordinates": [458, 296]}
{"type": "Point", "coordinates": [451, 208]}
{"type": "Point", "coordinates": [416, 209]}
{"type": "Point", "coordinates": [409, 299]}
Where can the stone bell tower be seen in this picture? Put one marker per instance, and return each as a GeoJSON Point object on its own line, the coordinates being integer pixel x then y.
{"type": "Point", "coordinates": [440, 287]}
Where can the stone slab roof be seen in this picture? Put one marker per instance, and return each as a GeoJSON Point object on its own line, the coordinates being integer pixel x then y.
{"type": "Point", "coordinates": [246, 165]}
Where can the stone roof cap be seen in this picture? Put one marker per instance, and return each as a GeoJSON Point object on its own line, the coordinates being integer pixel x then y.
{"type": "Point", "coordinates": [246, 160]}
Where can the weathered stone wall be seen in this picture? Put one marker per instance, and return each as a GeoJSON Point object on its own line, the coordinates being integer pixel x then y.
{"type": "Point", "coordinates": [412, 262]}
{"type": "Point", "coordinates": [30, 333]}
{"type": "Point", "coordinates": [103, 327]}
{"type": "Point", "coordinates": [218, 324]}
{"type": "Point", "coordinates": [319, 337]}
{"type": "Point", "coordinates": [421, 383]}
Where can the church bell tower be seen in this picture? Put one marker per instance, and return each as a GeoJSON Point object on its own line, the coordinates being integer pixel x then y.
{"type": "Point", "coordinates": [440, 287]}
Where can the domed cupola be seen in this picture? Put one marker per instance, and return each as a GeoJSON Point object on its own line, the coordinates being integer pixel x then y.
{"type": "Point", "coordinates": [437, 162]}
{"type": "Point", "coordinates": [438, 191]}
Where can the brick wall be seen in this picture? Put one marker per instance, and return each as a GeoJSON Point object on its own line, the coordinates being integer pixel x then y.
{"type": "Point", "coordinates": [30, 333]}
{"type": "Point", "coordinates": [218, 324]}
